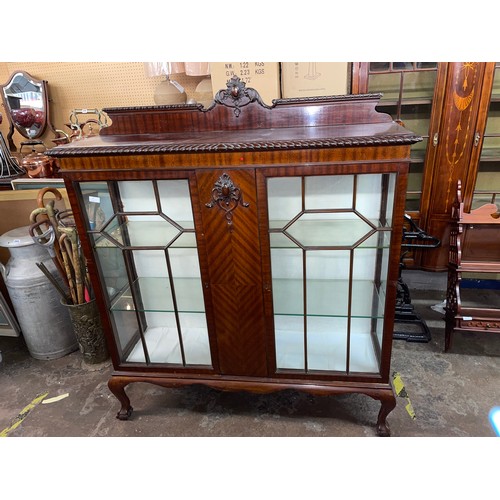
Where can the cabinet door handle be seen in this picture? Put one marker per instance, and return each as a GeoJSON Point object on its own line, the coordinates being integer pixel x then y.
{"type": "Point", "coordinates": [477, 138]}
{"type": "Point", "coordinates": [435, 139]}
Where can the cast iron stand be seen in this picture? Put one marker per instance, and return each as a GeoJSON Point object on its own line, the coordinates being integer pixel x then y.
{"type": "Point", "coordinates": [415, 237]}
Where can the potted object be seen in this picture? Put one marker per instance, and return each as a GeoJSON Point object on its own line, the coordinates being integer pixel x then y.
{"type": "Point", "coordinates": [56, 230]}
{"type": "Point", "coordinates": [81, 306]}
{"type": "Point", "coordinates": [37, 164]}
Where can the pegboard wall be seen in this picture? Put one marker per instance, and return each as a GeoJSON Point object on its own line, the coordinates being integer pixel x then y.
{"type": "Point", "coordinates": [87, 85]}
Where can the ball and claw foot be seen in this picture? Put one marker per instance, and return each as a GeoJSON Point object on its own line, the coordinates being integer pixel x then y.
{"type": "Point", "coordinates": [117, 387]}
{"type": "Point", "coordinates": [124, 413]}
{"type": "Point", "coordinates": [383, 430]}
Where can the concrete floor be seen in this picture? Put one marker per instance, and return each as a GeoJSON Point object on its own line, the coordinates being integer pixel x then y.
{"type": "Point", "coordinates": [451, 394]}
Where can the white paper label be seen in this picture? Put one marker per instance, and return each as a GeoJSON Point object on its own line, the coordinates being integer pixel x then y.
{"type": "Point", "coordinates": [94, 199]}
{"type": "Point", "coordinates": [467, 318]}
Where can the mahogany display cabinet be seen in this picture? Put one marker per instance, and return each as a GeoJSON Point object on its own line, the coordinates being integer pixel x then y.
{"type": "Point", "coordinates": [243, 246]}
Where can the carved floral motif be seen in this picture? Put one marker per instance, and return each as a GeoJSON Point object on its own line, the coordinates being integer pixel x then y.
{"type": "Point", "coordinates": [237, 95]}
{"type": "Point", "coordinates": [227, 196]}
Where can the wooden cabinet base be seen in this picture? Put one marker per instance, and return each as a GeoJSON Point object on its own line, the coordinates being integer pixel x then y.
{"type": "Point", "coordinates": [381, 392]}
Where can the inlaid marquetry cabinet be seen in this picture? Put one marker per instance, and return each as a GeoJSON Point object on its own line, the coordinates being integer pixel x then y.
{"type": "Point", "coordinates": [455, 107]}
{"type": "Point", "coordinates": [245, 246]}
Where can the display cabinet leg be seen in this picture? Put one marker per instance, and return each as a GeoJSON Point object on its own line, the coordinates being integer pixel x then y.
{"type": "Point", "coordinates": [117, 387]}
{"type": "Point", "coordinates": [387, 405]}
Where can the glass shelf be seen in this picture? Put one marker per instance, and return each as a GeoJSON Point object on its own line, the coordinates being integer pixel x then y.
{"type": "Point", "coordinates": [389, 100]}
{"type": "Point", "coordinates": [490, 154]}
{"type": "Point", "coordinates": [156, 296]}
{"type": "Point", "coordinates": [327, 298]}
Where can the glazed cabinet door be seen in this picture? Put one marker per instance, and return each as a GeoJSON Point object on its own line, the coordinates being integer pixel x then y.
{"type": "Point", "coordinates": [483, 179]}
{"type": "Point", "coordinates": [144, 241]}
{"type": "Point", "coordinates": [327, 271]}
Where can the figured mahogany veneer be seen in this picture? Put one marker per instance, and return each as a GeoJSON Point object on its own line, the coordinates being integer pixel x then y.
{"type": "Point", "coordinates": [227, 153]}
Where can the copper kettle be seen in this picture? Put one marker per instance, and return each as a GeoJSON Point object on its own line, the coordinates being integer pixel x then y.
{"type": "Point", "coordinates": [37, 164]}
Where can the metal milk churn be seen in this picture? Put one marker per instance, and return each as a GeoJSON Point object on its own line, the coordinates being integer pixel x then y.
{"type": "Point", "coordinates": [45, 323]}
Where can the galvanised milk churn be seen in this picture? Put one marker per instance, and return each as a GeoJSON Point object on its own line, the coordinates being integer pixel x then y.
{"type": "Point", "coordinates": [45, 323]}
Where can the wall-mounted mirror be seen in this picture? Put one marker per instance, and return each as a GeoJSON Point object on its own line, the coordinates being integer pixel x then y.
{"type": "Point", "coordinates": [26, 104]}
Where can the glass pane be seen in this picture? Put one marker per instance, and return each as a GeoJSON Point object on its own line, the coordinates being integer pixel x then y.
{"type": "Point", "coordinates": [419, 84]}
{"type": "Point", "coordinates": [493, 125]}
{"type": "Point", "coordinates": [137, 196]}
{"type": "Point", "coordinates": [491, 144]}
{"type": "Point", "coordinates": [112, 269]}
{"type": "Point", "coordinates": [176, 202]}
{"type": "Point", "coordinates": [284, 200]}
{"type": "Point", "coordinates": [379, 66]}
{"type": "Point", "coordinates": [97, 203]}
{"type": "Point", "coordinates": [334, 229]}
{"type": "Point", "coordinates": [382, 290]}
{"type": "Point", "coordinates": [286, 269]}
{"type": "Point", "coordinates": [369, 196]}
{"type": "Point", "coordinates": [480, 290]}
{"type": "Point", "coordinates": [366, 294]}
{"type": "Point", "coordinates": [156, 295]}
{"type": "Point", "coordinates": [327, 284]}
{"type": "Point", "coordinates": [427, 65]}
{"type": "Point", "coordinates": [187, 279]}
{"type": "Point", "coordinates": [487, 186]}
{"type": "Point", "coordinates": [127, 335]}
{"type": "Point", "coordinates": [415, 177]}
{"type": "Point", "coordinates": [400, 66]}
{"type": "Point", "coordinates": [496, 82]}
{"type": "Point", "coordinates": [388, 191]}
{"type": "Point", "coordinates": [149, 230]}
{"type": "Point", "coordinates": [488, 178]}
{"type": "Point", "coordinates": [326, 191]}
{"type": "Point", "coordinates": [185, 240]}
{"type": "Point", "coordinates": [195, 339]}
{"type": "Point", "coordinates": [362, 356]}
{"type": "Point", "coordinates": [279, 240]}
{"type": "Point", "coordinates": [289, 339]}
{"type": "Point", "coordinates": [3, 319]}
{"type": "Point", "coordinates": [326, 344]}
{"type": "Point", "coordinates": [387, 83]}
{"type": "Point", "coordinates": [417, 119]}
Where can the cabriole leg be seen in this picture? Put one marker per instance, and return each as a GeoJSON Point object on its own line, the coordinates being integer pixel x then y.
{"type": "Point", "coordinates": [388, 404]}
{"type": "Point", "coordinates": [117, 387]}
